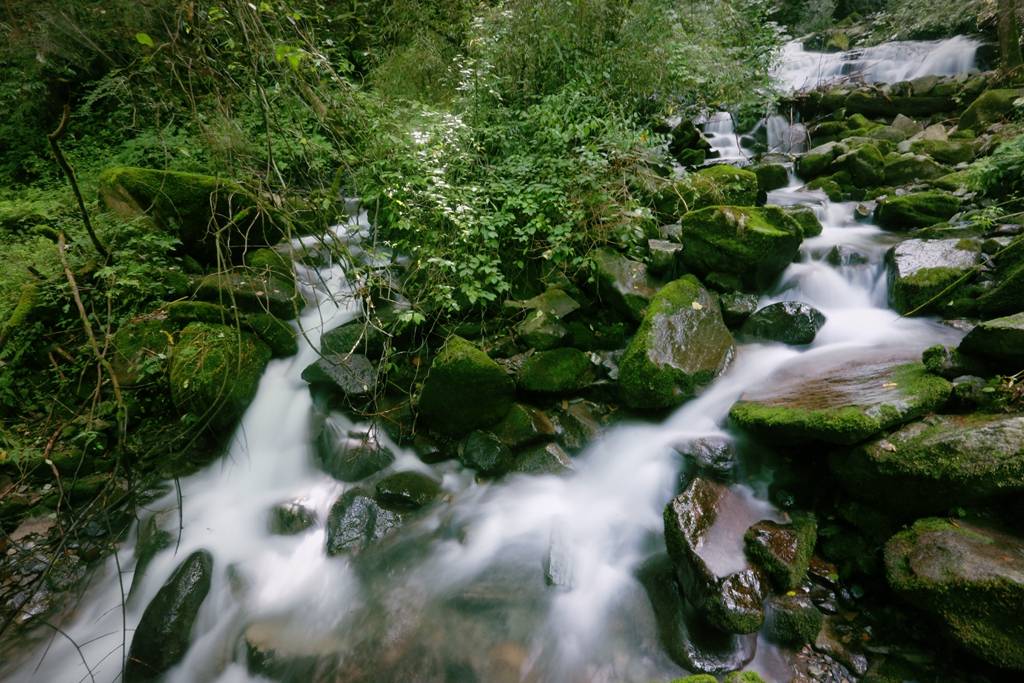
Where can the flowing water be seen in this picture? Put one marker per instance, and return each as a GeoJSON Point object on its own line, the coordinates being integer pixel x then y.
{"type": "Point", "coordinates": [459, 594]}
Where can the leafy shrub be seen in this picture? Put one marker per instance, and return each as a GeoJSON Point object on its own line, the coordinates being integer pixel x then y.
{"type": "Point", "coordinates": [1002, 173]}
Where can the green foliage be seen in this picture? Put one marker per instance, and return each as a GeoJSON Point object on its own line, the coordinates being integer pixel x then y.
{"type": "Point", "coordinates": [1001, 174]}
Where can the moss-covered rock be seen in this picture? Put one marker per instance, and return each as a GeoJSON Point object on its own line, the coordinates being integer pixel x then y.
{"type": "Point", "coordinates": [254, 291]}
{"type": "Point", "coordinates": [755, 244]}
{"type": "Point", "coordinates": [407, 490]}
{"type": "Point", "coordinates": [863, 163]}
{"type": "Point", "coordinates": [356, 336]}
{"type": "Point", "coordinates": [743, 677]}
{"type": "Point", "coordinates": [720, 184]}
{"type": "Point", "coordinates": [523, 426]}
{"type": "Point", "coordinates": [200, 210]}
{"type": "Point", "coordinates": [623, 283]}
{"type": "Point", "coordinates": [991, 107]}
{"type": "Point", "coordinates": [816, 162]}
{"type": "Point", "coordinates": [139, 351]}
{"type": "Point", "coordinates": [561, 371]}
{"type": "Point", "coordinates": [792, 620]}
{"type": "Point", "coordinates": [783, 550]}
{"type": "Point", "coordinates": [771, 176]}
{"type": "Point", "coordinates": [549, 458]}
{"type": "Point", "coordinates": [789, 322]}
{"type": "Point", "coordinates": [215, 371]}
{"type": "Point", "coordinates": [164, 632]}
{"type": "Point", "coordinates": [844, 404]}
{"type": "Point", "coordinates": [486, 453]}
{"type": "Point", "coordinates": [350, 456]}
{"type": "Point", "coordinates": [1005, 297]}
{"type": "Point", "coordinates": [916, 210]}
{"type": "Point", "coordinates": [1000, 341]}
{"type": "Point", "coordinates": [920, 270]}
{"type": "Point", "coordinates": [271, 261]}
{"type": "Point", "coordinates": [278, 335]}
{"type": "Point", "coordinates": [181, 313]}
{"type": "Point", "coordinates": [831, 187]}
{"type": "Point", "coordinates": [971, 578]}
{"type": "Point", "coordinates": [464, 390]}
{"type": "Point", "coordinates": [349, 375]}
{"type": "Point", "coordinates": [682, 345]}
{"type": "Point", "coordinates": [806, 218]}
{"type": "Point", "coordinates": [945, 151]}
{"type": "Point", "coordinates": [939, 463]}
{"type": "Point", "coordinates": [902, 169]}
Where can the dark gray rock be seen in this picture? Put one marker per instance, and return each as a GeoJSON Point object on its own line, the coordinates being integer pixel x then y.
{"type": "Point", "coordinates": [789, 322]}
{"type": "Point", "coordinates": [356, 521]}
{"type": "Point", "coordinates": [350, 456]}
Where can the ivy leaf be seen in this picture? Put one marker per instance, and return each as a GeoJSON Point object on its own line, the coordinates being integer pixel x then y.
{"type": "Point", "coordinates": [144, 39]}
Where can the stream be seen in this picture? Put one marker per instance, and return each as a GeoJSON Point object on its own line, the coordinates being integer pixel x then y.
{"type": "Point", "coordinates": [459, 593]}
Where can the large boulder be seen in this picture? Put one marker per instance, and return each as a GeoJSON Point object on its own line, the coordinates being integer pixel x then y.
{"type": "Point", "coordinates": [688, 639]}
{"type": "Point", "coordinates": [215, 372]}
{"type": "Point", "coordinates": [990, 107]}
{"type": "Point", "coordinates": [945, 151]}
{"type": "Point", "coordinates": [210, 215]}
{"type": "Point", "coordinates": [916, 210]}
{"type": "Point", "coordinates": [715, 185]}
{"type": "Point", "coordinates": [704, 527]}
{"type": "Point", "coordinates": [816, 162]}
{"type": "Point", "coordinates": [1000, 341]}
{"type": "Point", "coordinates": [465, 390]}
{"type": "Point", "coordinates": [864, 164]}
{"type": "Point", "coordinates": [165, 630]}
{"type": "Point", "coordinates": [901, 169]}
{"type": "Point", "coordinates": [843, 401]}
{"type": "Point", "coordinates": [920, 270]}
{"type": "Point", "coordinates": [623, 283]}
{"type": "Point", "coordinates": [753, 244]}
{"type": "Point", "coordinates": [936, 464]}
{"type": "Point", "coordinates": [969, 577]}
{"type": "Point", "coordinates": [789, 322]}
{"type": "Point", "coordinates": [682, 345]}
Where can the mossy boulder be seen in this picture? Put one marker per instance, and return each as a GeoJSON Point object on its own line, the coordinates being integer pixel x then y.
{"type": "Point", "coordinates": [279, 336]}
{"type": "Point", "coordinates": [1005, 297]}
{"type": "Point", "coordinates": [806, 218]}
{"type": "Point", "coordinates": [1000, 341]}
{"type": "Point", "coordinates": [209, 215]}
{"type": "Point", "coordinates": [971, 578]}
{"type": "Point", "coordinates": [465, 390]}
{"type": "Point", "coordinates": [623, 283]}
{"type": "Point", "coordinates": [349, 375]}
{"type": "Point", "coordinates": [215, 371]}
{"type": "Point", "coordinates": [816, 162]}
{"type": "Point", "coordinates": [771, 176]}
{"type": "Point", "coordinates": [902, 169]}
{"type": "Point", "coordinates": [407, 490]}
{"type": "Point", "coordinates": [842, 403]}
{"type": "Point", "coordinates": [789, 322]}
{"type": "Point", "coordinates": [164, 632]}
{"type": "Point", "coordinates": [754, 244]}
{"type": "Point", "coordinates": [743, 677]}
{"type": "Point", "coordinates": [864, 164]}
{"type": "Point", "coordinates": [945, 151]}
{"type": "Point", "coordinates": [561, 371]}
{"type": "Point", "coordinates": [356, 336]}
{"type": "Point", "coordinates": [991, 107]}
{"type": "Point", "coordinates": [916, 210]}
{"type": "Point", "coordinates": [253, 291]}
{"type": "Point", "coordinates": [681, 345]}
{"type": "Point", "coordinates": [783, 550]}
{"type": "Point", "coordinates": [792, 619]}
{"type": "Point", "coordinates": [939, 463]}
{"type": "Point", "coordinates": [920, 270]}
{"type": "Point", "coordinates": [720, 184]}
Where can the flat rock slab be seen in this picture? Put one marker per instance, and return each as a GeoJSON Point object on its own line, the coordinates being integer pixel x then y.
{"type": "Point", "coordinates": [839, 400]}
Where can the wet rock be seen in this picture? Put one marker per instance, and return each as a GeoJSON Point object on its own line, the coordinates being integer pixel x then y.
{"type": "Point", "coordinates": [287, 519]}
{"type": "Point", "coordinates": [991, 107]}
{"type": "Point", "coordinates": [253, 291]}
{"type": "Point", "coordinates": [688, 639]}
{"type": "Point", "coordinates": [783, 550]}
{"type": "Point", "coordinates": [215, 371]}
{"type": "Point", "coordinates": [864, 164]}
{"type": "Point", "coordinates": [579, 423]}
{"type": "Point", "coordinates": [1000, 341]}
{"type": "Point", "coordinates": [682, 345]}
{"type": "Point", "coordinates": [280, 651]}
{"type": "Point", "coordinates": [465, 390]}
{"type": "Point", "coordinates": [485, 453]}
{"type": "Point", "coordinates": [712, 455]}
{"type": "Point", "coordinates": [916, 210]}
{"type": "Point", "coordinates": [164, 632]}
{"type": "Point", "coordinates": [685, 136]}
{"type": "Point", "coordinates": [352, 375]}
{"type": "Point", "coordinates": [665, 258]}
{"type": "Point", "coordinates": [771, 176]}
{"type": "Point", "coordinates": [789, 322]}
{"type": "Point", "coordinates": [921, 270]}
{"type": "Point", "coordinates": [938, 463]}
{"type": "Point", "coordinates": [968, 576]}
{"type": "Point", "coordinates": [806, 218]}
{"type": "Point", "coordinates": [842, 402]}
{"type": "Point", "coordinates": [558, 562]}
{"type": "Point", "coordinates": [737, 307]}
{"type": "Point", "coordinates": [729, 593]}
{"type": "Point", "coordinates": [278, 335]}
{"type": "Point", "coordinates": [560, 371]}
{"type": "Point", "coordinates": [903, 169]}
{"type": "Point", "coordinates": [948, 362]}
{"type": "Point", "coordinates": [150, 540]}
{"type": "Point", "coordinates": [623, 284]}
{"type": "Point", "coordinates": [361, 337]}
{"type": "Point", "coordinates": [350, 456]}
{"type": "Point", "coordinates": [407, 491]}
{"type": "Point", "coordinates": [817, 161]}
{"type": "Point", "coordinates": [524, 425]}
{"type": "Point", "coordinates": [543, 459]}
{"type": "Point", "coordinates": [841, 649]}
{"type": "Point", "coordinates": [754, 244]}
{"type": "Point", "coordinates": [554, 302]}
{"type": "Point", "coordinates": [1004, 298]}
{"type": "Point", "coordinates": [841, 255]}
{"type": "Point", "coordinates": [792, 619]}
{"type": "Point", "coordinates": [542, 331]}
{"type": "Point", "coordinates": [356, 521]}
{"type": "Point", "coordinates": [945, 151]}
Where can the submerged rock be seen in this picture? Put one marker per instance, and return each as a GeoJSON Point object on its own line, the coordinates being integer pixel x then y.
{"type": "Point", "coordinates": [783, 550]}
{"type": "Point", "coordinates": [164, 632]}
{"type": "Point", "coordinates": [465, 390]}
{"type": "Point", "coordinates": [789, 322]}
{"type": "Point", "coordinates": [941, 462]}
{"type": "Point", "coordinates": [841, 403]}
{"type": "Point", "coordinates": [728, 593]}
{"type": "Point", "coordinates": [971, 578]}
{"type": "Point", "coordinates": [916, 210]}
{"type": "Point", "coordinates": [350, 456]}
{"type": "Point", "coordinates": [290, 518]}
{"type": "Point", "coordinates": [356, 521]}
{"type": "Point", "coordinates": [688, 639]}
{"type": "Point", "coordinates": [407, 491]}
{"type": "Point", "coordinates": [682, 345]}
{"type": "Point", "coordinates": [1000, 341]}
{"type": "Point", "coordinates": [754, 244]}
{"type": "Point", "coordinates": [920, 270]}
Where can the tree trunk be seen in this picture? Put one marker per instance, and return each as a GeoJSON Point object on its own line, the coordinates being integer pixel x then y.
{"type": "Point", "coordinates": [1009, 35]}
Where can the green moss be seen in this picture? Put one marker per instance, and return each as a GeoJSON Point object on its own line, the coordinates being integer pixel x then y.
{"type": "Point", "coordinates": [991, 107]}
{"type": "Point", "coordinates": [817, 161]}
{"type": "Point", "coordinates": [832, 189]}
{"type": "Point", "coordinates": [681, 345]}
{"type": "Point", "coordinates": [278, 335]}
{"type": "Point", "coordinates": [1005, 298]}
{"type": "Point", "coordinates": [254, 291]}
{"type": "Point", "coordinates": [946, 151]}
{"type": "Point", "coordinates": [805, 217]}
{"type": "Point", "coordinates": [784, 552]}
{"type": "Point", "coordinates": [215, 371]}
{"type": "Point", "coordinates": [743, 677]}
{"type": "Point", "coordinates": [864, 164]}
{"type": "Point", "coordinates": [465, 389]}
{"type": "Point", "coordinates": [916, 210]}
{"type": "Point", "coordinates": [700, 678]}
{"type": "Point", "coordinates": [722, 184]}
{"type": "Point", "coordinates": [271, 261]}
{"type": "Point", "coordinates": [793, 620]}
{"type": "Point", "coordinates": [556, 372]}
{"type": "Point", "coordinates": [28, 297]}
{"type": "Point", "coordinates": [917, 292]}
{"type": "Point", "coordinates": [138, 349]}
{"type": "Point", "coordinates": [183, 312]}
{"type": "Point", "coordinates": [771, 176]}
